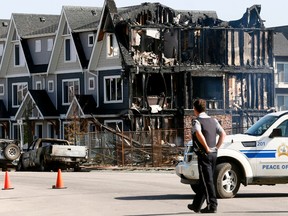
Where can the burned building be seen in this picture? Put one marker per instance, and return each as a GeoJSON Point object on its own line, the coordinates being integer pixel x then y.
{"type": "Point", "coordinates": [171, 57]}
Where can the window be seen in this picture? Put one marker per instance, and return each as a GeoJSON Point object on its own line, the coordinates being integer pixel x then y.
{"type": "Point", "coordinates": [67, 50]}
{"type": "Point", "coordinates": [113, 89]}
{"type": "Point", "coordinates": [19, 91]}
{"type": "Point", "coordinates": [50, 86]}
{"type": "Point", "coordinates": [90, 40]}
{"type": "Point", "coordinates": [282, 102]}
{"type": "Point", "coordinates": [1, 89]}
{"type": "Point", "coordinates": [112, 46]}
{"type": "Point", "coordinates": [115, 124]}
{"type": "Point", "coordinates": [1, 49]}
{"type": "Point", "coordinates": [38, 46]}
{"type": "Point", "coordinates": [38, 85]}
{"type": "Point", "coordinates": [282, 72]}
{"type": "Point", "coordinates": [18, 56]}
{"type": "Point", "coordinates": [91, 83]}
{"type": "Point", "coordinates": [49, 44]}
{"type": "Point", "coordinates": [70, 54]}
{"type": "Point", "coordinates": [70, 88]}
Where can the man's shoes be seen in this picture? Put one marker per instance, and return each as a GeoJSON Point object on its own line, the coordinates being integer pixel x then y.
{"type": "Point", "coordinates": [192, 208]}
{"type": "Point", "coordinates": [208, 210]}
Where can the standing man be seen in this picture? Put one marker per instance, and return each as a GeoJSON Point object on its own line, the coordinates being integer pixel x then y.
{"type": "Point", "coordinates": [204, 135]}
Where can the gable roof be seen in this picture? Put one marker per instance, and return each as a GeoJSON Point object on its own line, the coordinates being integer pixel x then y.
{"type": "Point", "coordinates": [82, 18]}
{"type": "Point", "coordinates": [82, 105]}
{"type": "Point", "coordinates": [31, 25]}
{"type": "Point", "coordinates": [75, 19]}
{"type": "Point", "coordinates": [41, 102]}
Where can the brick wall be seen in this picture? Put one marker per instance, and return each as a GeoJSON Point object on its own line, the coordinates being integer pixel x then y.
{"type": "Point", "coordinates": [225, 121]}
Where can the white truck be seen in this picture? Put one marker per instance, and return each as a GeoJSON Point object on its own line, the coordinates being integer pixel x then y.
{"type": "Point", "coordinates": [257, 157]}
{"type": "Point", "coordinates": [52, 154]}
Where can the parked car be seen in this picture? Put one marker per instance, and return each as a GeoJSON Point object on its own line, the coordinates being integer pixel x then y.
{"type": "Point", "coordinates": [257, 157]}
{"type": "Point", "coordinates": [9, 153]}
{"type": "Point", "coordinates": [52, 154]}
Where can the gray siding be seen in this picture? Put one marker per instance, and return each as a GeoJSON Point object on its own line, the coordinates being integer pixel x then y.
{"type": "Point", "coordinates": [42, 57]}
{"type": "Point", "coordinates": [84, 41]}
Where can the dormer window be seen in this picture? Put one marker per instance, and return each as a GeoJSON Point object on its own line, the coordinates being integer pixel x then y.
{"type": "Point", "coordinates": [38, 46]}
{"type": "Point", "coordinates": [112, 46]}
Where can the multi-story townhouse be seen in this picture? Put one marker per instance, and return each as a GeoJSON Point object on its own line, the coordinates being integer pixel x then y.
{"type": "Point", "coordinates": [26, 56]}
{"type": "Point", "coordinates": [65, 77]}
{"type": "Point", "coordinates": [280, 51]}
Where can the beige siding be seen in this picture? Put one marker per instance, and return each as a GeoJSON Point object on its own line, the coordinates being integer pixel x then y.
{"type": "Point", "coordinates": [61, 65]}
{"type": "Point", "coordinates": [15, 70]}
{"type": "Point", "coordinates": [107, 62]}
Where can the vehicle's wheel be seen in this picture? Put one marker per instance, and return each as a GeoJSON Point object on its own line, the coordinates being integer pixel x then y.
{"type": "Point", "coordinates": [227, 180]}
{"type": "Point", "coordinates": [12, 151]}
{"type": "Point", "coordinates": [194, 187]}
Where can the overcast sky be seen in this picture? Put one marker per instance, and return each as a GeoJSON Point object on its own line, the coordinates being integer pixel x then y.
{"type": "Point", "coordinates": [274, 12]}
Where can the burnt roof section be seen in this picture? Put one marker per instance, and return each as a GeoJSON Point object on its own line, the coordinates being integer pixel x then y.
{"type": "Point", "coordinates": [44, 103]}
{"type": "Point", "coordinates": [35, 24]}
{"type": "Point", "coordinates": [188, 18]}
{"type": "Point", "coordinates": [250, 19]}
{"type": "Point", "coordinates": [83, 18]}
{"type": "Point", "coordinates": [4, 25]}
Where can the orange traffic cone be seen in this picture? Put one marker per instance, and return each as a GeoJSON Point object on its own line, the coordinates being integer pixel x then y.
{"type": "Point", "coordinates": [7, 185]}
{"type": "Point", "coordinates": [59, 181]}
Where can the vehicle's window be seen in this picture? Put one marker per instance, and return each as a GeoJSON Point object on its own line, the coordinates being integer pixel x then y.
{"type": "Point", "coordinates": [44, 144]}
{"type": "Point", "coordinates": [261, 125]}
{"type": "Point", "coordinates": [284, 128]}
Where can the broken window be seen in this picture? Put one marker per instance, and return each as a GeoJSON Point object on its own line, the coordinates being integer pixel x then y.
{"type": "Point", "coordinates": [210, 89]}
{"type": "Point", "coordinates": [150, 48]}
{"type": "Point", "coordinates": [112, 46]}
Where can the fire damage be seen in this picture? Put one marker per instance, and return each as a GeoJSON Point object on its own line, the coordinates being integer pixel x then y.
{"type": "Point", "coordinates": [171, 57]}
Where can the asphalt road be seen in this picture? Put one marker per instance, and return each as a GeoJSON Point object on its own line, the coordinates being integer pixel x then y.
{"type": "Point", "coordinates": [124, 193]}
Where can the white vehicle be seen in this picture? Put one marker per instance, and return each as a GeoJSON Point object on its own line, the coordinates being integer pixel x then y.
{"type": "Point", "coordinates": [257, 157]}
{"type": "Point", "coordinates": [52, 154]}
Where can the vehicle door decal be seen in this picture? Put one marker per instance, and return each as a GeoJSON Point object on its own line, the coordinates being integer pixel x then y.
{"type": "Point", "coordinates": [259, 153]}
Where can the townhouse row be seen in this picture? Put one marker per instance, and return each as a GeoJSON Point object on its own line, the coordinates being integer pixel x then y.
{"type": "Point", "coordinates": [136, 68]}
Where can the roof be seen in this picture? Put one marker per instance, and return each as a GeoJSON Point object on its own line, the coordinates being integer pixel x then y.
{"type": "Point", "coordinates": [4, 26]}
{"type": "Point", "coordinates": [87, 104]}
{"type": "Point", "coordinates": [280, 43]}
{"type": "Point", "coordinates": [35, 24]}
{"type": "Point", "coordinates": [280, 46]}
{"type": "Point", "coordinates": [82, 18]}
{"type": "Point", "coordinates": [44, 102]}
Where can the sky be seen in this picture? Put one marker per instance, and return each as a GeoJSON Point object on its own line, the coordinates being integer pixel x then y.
{"type": "Point", "coordinates": [273, 12]}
